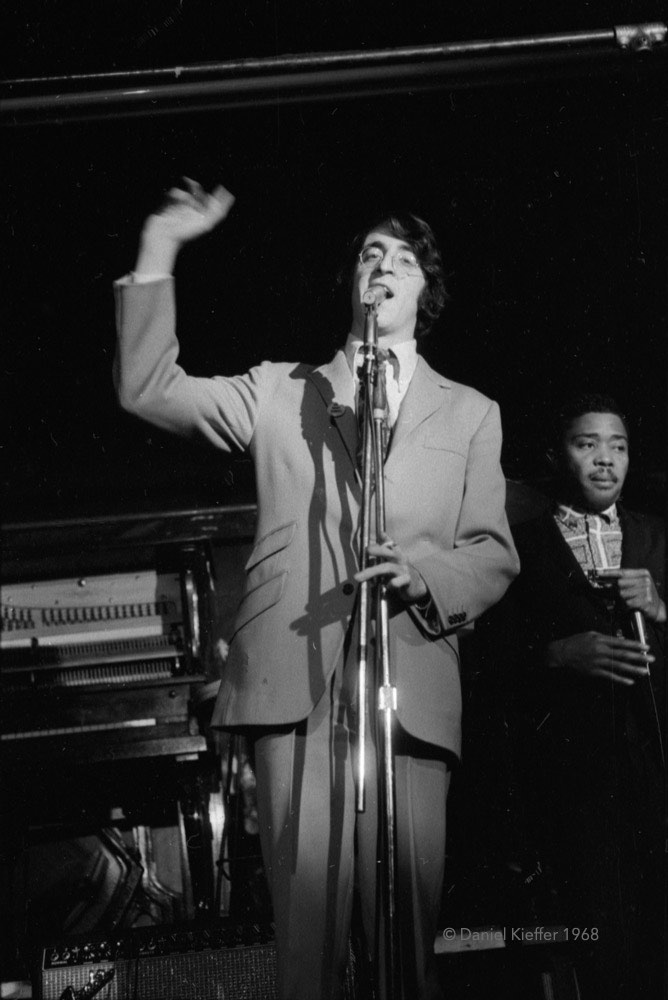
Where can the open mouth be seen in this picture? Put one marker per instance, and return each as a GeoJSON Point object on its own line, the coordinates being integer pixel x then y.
{"type": "Point", "coordinates": [379, 284]}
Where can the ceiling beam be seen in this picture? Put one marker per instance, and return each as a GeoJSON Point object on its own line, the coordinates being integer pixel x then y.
{"type": "Point", "coordinates": [330, 75]}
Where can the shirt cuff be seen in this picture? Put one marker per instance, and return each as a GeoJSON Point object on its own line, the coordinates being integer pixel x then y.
{"type": "Point", "coordinates": [424, 604]}
{"type": "Point", "coordinates": [428, 613]}
{"type": "Point", "coordinates": [145, 279]}
{"type": "Point", "coordinates": [141, 279]}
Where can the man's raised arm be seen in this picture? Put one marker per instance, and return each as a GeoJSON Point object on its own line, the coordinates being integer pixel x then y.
{"type": "Point", "coordinates": [149, 382]}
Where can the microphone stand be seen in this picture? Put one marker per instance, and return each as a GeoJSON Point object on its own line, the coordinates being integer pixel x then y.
{"type": "Point", "coordinates": [375, 431]}
{"type": "Point", "coordinates": [640, 633]}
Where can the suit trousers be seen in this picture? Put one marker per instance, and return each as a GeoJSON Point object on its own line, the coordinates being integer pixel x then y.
{"type": "Point", "coordinates": [316, 847]}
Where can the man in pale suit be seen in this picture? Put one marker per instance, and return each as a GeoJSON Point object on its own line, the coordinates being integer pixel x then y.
{"type": "Point", "coordinates": [290, 679]}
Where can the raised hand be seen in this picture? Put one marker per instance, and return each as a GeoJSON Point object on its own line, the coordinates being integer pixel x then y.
{"type": "Point", "coordinates": [187, 213]}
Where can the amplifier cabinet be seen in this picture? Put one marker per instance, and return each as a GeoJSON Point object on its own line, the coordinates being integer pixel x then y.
{"type": "Point", "coordinates": [222, 962]}
{"type": "Point", "coordinates": [242, 973]}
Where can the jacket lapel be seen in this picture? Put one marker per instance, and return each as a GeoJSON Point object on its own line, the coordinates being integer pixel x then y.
{"type": "Point", "coordinates": [336, 388]}
{"type": "Point", "coordinates": [424, 396]}
{"type": "Point", "coordinates": [634, 544]}
{"type": "Point", "coordinates": [568, 564]}
{"type": "Point", "coordinates": [563, 554]}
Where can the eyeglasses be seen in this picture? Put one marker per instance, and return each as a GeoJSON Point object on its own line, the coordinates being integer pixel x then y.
{"type": "Point", "coordinates": [404, 262]}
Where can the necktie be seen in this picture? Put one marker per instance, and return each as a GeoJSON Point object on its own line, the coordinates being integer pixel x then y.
{"type": "Point", "coordinates": [391, 385]}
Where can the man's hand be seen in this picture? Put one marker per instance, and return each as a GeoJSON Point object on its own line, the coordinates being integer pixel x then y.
{"type": "Point", "coordinates": [186, 213]}
{"type": "Point", "coordinates": [596, 655]}
{"type": "Point", "coordinates": [393, 568]}
{"type": "Point", "coordinates": [637, 592]}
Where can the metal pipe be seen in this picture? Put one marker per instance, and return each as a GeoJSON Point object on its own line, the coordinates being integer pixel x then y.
{"type": "Point", "coordinates": [312, 76]}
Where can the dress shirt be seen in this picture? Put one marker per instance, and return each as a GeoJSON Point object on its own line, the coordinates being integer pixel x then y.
{"type": "Point", "coordinates": [396, 385]}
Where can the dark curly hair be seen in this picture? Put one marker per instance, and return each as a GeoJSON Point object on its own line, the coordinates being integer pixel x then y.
{"type": "Point", "coordinates": [577, 406]}
{"type": "Point", "coordinates": [420, 238]}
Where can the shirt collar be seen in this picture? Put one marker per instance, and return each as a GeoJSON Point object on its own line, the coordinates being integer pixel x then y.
{"type": "Point", "coordinates": [405, 352]}
{"type": "Point", "coordinates": [569, 515]}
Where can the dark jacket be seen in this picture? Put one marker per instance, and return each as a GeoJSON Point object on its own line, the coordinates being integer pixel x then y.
{"type": "Point", "coordinates": [552, 599]}
{"type": "Point", "coordinates": [583, 757]}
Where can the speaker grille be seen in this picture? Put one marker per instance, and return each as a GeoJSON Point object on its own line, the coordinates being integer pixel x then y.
{"type": "Point", "coordinates": [243, 973]}
{"type": "Point", "coordinates": [196, 971]}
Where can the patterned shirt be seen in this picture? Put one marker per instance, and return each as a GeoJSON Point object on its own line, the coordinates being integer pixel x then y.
{"type": "Point", "coordinates": [594, 539]}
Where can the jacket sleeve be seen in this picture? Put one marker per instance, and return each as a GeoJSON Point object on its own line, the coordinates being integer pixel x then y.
{"type": "Point", "coordinates": [152, 385]}
{"type": "Point", "coordinates": [472, 576]}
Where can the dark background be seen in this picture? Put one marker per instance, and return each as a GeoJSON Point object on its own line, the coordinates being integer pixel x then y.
{"type": "Point", "coordinates": [547, 191]}
{"type": "Point", "coordinates": [546, 187]}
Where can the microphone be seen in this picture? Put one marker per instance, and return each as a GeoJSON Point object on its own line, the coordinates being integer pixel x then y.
{"type": "Point", "coordinates": [638, 626]}
{"type": "Point", "coordinates": [374, 295]}
{"type": "Point", "coordinates": [639, 631]}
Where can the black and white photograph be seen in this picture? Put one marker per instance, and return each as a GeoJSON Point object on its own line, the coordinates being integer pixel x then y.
{"type": "Point", "coordinates": [334, 384]}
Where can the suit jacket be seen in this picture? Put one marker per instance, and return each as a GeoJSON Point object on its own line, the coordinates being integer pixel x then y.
{"type": "Point", "coordinates": [584, 760]}
{"type": "Point", "coordinates": [552, 599]}
{"type": "Point", "coordinates": [444, 499]}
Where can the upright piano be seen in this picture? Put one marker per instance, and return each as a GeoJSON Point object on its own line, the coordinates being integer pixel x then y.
{"type": "Point", "coordinates": [108, 630]}
{"type": "Point", "coordinates": [112, 641]}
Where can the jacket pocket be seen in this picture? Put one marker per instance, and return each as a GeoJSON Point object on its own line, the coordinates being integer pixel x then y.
{"type": "Point", "coordinates": [441, 442]}
{"type": "Point", "coordinates": [270, 544]}
{"type": "Point", "coordinates": [258, 600]}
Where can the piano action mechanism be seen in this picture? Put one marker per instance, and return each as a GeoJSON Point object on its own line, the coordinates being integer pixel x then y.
{"type": "Point", "coordinates": [104, 665]}
{"type": "Point", "coordinates": [101, 665]}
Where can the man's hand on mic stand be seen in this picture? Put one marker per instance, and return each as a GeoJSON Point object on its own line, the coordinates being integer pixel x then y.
{"type": "Point", "coordinates": [187, 213]}
{"type": "Point", "coordinates": [393, 568]}
{"type": "Point", "coordinates": [637, 591]}
{"type": "Point", "coordinates": [595, 655]}
{"type": "Point", "coordinates": [614, 657]}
